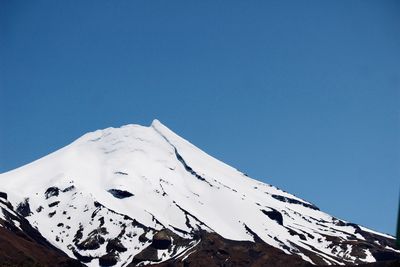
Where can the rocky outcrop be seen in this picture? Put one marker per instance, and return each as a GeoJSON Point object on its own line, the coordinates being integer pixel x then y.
{"type": "Point", "coordinates": [24, 208]}
{"type": "Point", "coordinates": [115, 245]}
{"type": "Point", "coordinates": [94, 240]}
{"type": "Point", "coordinates": [3, 195]}
{"type": "Point", "coordinates": [161, 240]}
{"type": "Point", "coordinates": [214, 250]}
{"type": "Point", "coordinates": [22, 245]}
{"type": "Point", "coordinates": [164, 241]}
{"type": "Point", "coordinates": [51, 191]}
{"type": "Point", "coordinates": [117, 193]}
{"type": "Point", "coordinates": [109, 259]}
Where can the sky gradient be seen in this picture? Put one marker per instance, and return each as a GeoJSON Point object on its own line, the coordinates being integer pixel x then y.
{"type": "Point", "coordinates": [304, 96]}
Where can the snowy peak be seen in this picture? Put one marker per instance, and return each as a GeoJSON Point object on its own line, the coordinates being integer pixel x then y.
{"type": "Point", "coordinates": [156, 123]}
{"type": "Point", "coordinates": [144, 194]}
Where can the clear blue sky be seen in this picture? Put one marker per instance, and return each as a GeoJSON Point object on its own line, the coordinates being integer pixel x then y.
{"type": "Point", "coordinates": [303, 95]}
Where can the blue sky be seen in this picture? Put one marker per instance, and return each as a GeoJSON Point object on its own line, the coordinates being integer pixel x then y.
{"type": "Point", "coordinates": [303, 95]}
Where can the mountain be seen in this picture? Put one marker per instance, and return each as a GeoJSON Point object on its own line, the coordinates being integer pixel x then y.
{"type": "Point", "coordinates": [143, 195]}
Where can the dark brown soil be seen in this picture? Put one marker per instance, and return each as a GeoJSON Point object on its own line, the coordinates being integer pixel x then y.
{"type": "Point", "coordinates": [18, 249]}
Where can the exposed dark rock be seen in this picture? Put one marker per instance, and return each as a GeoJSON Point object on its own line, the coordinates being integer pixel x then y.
{"type": "Point", "coordinates": [55, 203]}
{"type": "Point", "coordinates": [51, 214]}
{"type": "Point", "coordinates": [80, 257]}
{"type": "Point", "coordinates": [342, 223]}
{"type": "Point", "coordinates": [143, 238]}
{"type": "Point", "coordinates": [51, 191]}
{"type": "Point", "coordinates": [115, 245]}
{"type": "Point", "coordinates": [109, 259]}
{"type": "Point", "coordinates": [69, 188]}
{"type": "Point", "coordinates": [39, 209]}
{"type": "Point", "coordinates": [188, 168]}
{"type": "Point", "coordinates": [120, 193]}
{"type": "Point", "coordinates": [183, 162]}
{"type": "Point", "coordinates": [274, 215]}
{"type": "Point", "coordinates": [161, 240]}
{"type": "Point", "coordinates": [3, 195]}
{"type": "Point", "coordinates": [79, 234]}
{"type": "Point", "coordinates": [293, 232]}
{"type": "Point", "coordinates": [214, 250]}
{"type": "Point", "coordinates": [24, 208]}
{"type": "Point", "coordinates": [150, 253]}
{"type": "Point", "coordinates": [91, 243]}
{"type": "Point", "coordinates": [94, 213]}
{"type": "Point", "coordinates": [256, 238]}
{"type": "Point", "coordinates": [101, 220]}
{"type": "Point", "coordinates": [99, 231]}
{"type": "Point", "coordinates": [294, 201]}
{"type": "Point", "coordinates": [187, 222]}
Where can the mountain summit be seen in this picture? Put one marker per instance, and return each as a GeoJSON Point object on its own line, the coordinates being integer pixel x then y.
{"type": "Point", "coordinates": [143, 195]}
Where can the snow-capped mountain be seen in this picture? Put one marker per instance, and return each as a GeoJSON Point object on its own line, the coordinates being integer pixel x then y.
{"type": "Point", "coordinates": [143, 195]}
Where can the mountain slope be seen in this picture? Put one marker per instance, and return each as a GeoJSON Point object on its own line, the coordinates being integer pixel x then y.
{"type": "Point", "coordinates": [144, 195]}
{"type": "Point", "coordinates": [22, 245]}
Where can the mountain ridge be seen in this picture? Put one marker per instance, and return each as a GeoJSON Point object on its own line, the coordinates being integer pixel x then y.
{"type": "Point", "coordinates": [106, 196]}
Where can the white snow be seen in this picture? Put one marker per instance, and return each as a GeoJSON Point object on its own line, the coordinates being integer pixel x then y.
{"type": "Point", "coordinates": [170, 179]}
